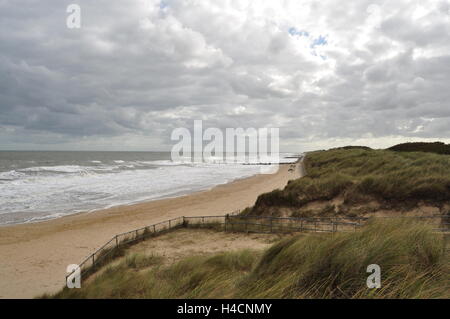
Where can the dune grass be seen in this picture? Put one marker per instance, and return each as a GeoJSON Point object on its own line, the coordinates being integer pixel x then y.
{"type": "Point", "coordinates": [436, 147]}
{"type": "Point", "coordinates": [412, 258]}
{"type": "Point", "coordinates": [360, 175]}
{"type": "Point", "coordinates": [139, 276]}
{"type": "Point", "coordinates": [413, 262]}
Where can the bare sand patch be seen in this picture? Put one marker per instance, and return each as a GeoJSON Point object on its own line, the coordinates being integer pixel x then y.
{"type": "Point", "coordinates": [179, 244]}
{"type": "Point", "coordinates": [193, 242]}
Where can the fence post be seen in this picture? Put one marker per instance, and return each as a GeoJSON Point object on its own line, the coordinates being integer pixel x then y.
{"type": "Point", "coordinates": [154, 228]}
{"type": "Point", "coordinates": [117, 242]}
{"type": "Point", "coordinates": [184, 222]}
{"type": "Point", "coordinates": [93, 259]}
{"type": "Point", "coordinates": [226, 220]}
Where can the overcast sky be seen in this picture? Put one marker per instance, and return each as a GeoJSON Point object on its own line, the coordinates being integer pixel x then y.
{"type": "Point", "coordinates": [327, 73]}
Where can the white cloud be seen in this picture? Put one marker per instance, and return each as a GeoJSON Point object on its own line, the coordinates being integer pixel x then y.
{"type": "Point", "coordinates": [324, 71]}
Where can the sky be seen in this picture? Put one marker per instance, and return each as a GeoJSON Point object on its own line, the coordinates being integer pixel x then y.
{"type": "Point", "coordinates": [326, 73]}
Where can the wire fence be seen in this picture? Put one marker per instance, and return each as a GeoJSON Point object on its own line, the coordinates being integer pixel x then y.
{"type": "Point", "coordinates": [271, 224]}
{"type": "Point", "coordinates": [111, 248]}
{"type": "Point", "coordinates": [236, 223]}
{"type": "Point", "coordinates": [265, 224]}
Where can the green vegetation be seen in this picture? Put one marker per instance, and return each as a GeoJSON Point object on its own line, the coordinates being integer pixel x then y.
{"type": "Point", "coordinates": [359, 176]}
{"type": "Point", "coordinates": [437, 147]}
{"type": "Point", "coordinates": [351, 147]}
{"type": "Point", "coordinates": [194, 277]}
{"type": "Point", "coordinates": [412, 258]}
{"type": "Point", "coordinates": [347, 181]}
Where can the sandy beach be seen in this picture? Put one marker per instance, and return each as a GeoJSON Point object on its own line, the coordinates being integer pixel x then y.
{"type": "Point", "coordinates": [34, 257]}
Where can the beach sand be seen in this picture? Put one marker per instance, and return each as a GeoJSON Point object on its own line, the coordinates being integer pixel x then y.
{"type": "Point", "coordinates": [34, 257]}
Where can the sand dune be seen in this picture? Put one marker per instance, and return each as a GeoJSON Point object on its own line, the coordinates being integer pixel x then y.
{"type": "Point", "coordinates": [34, 257]}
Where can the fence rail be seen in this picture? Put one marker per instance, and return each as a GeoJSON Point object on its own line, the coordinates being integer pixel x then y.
{"type": "Point", "coordinates": [237, 223]}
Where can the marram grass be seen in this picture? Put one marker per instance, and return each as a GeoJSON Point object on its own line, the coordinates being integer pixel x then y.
{"type": "Point", "coordinates": [359, 175]}
{"type": "Point", "coordinates": [413, 261]}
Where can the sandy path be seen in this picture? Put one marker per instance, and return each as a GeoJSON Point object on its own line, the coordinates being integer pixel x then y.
{"type": "Point", "coordinates": [183, 243]}
{"type": "Point", "coordinates": [34, 257]}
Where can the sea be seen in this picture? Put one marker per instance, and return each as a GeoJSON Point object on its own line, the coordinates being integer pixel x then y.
{"type": "Point", "coordinates": [42, 185]}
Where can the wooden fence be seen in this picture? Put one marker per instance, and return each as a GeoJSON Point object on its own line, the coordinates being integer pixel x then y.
{"type": "Point", "coordinates": [235, 223]}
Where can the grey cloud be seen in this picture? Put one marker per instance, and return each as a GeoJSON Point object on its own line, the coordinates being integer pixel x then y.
{"type": "Point", "coordinates": [138, 69]}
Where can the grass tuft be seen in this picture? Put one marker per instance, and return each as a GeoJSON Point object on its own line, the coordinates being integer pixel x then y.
{"type": "Point", "coordinates": [361, 175]}
{"type": "Point", "coordinates": [413, 261]}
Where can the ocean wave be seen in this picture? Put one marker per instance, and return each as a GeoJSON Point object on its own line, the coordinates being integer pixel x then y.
{"type": "Point", "coordinates": [45, 192]}
{"type": "Point", "coordinates": [162, 163]}
{"type": "Point", "coordinates": [59, 169]}
{"type": "Point", "coordinates": [10, 175]}
{"type": "Point", "coordinates": [52, 195]}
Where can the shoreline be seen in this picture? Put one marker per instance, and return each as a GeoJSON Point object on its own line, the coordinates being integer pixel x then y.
{"type": "Point", "coordinates": [38, 253]}
{"type": "Point", "coordinates": [131, 203]}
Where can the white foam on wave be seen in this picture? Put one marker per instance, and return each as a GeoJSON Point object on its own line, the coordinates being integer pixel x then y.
{"type": "Point", "coordinates": [165, 163]}
{"type": "Point", "coordinates": [53, 195]}
{"type": "Point", "coordinates": [10, 175]}
{"type": "Point", "coordinates": [45, 192]}
{"type": "Point", "coordinates": [59, 169]}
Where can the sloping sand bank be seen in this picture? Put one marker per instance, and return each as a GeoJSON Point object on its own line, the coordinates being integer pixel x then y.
{"type": "Point", "coordinates": [34, 257]}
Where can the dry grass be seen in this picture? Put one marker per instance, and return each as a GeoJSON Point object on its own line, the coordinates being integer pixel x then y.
{"type": "Point", "coordinates": [412, 258]}
{"type": "Point", "coordinates": [394, 179]}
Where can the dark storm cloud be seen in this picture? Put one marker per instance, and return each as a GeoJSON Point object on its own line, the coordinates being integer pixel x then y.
{"type": "Point", "coordinates": [369, 71]}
